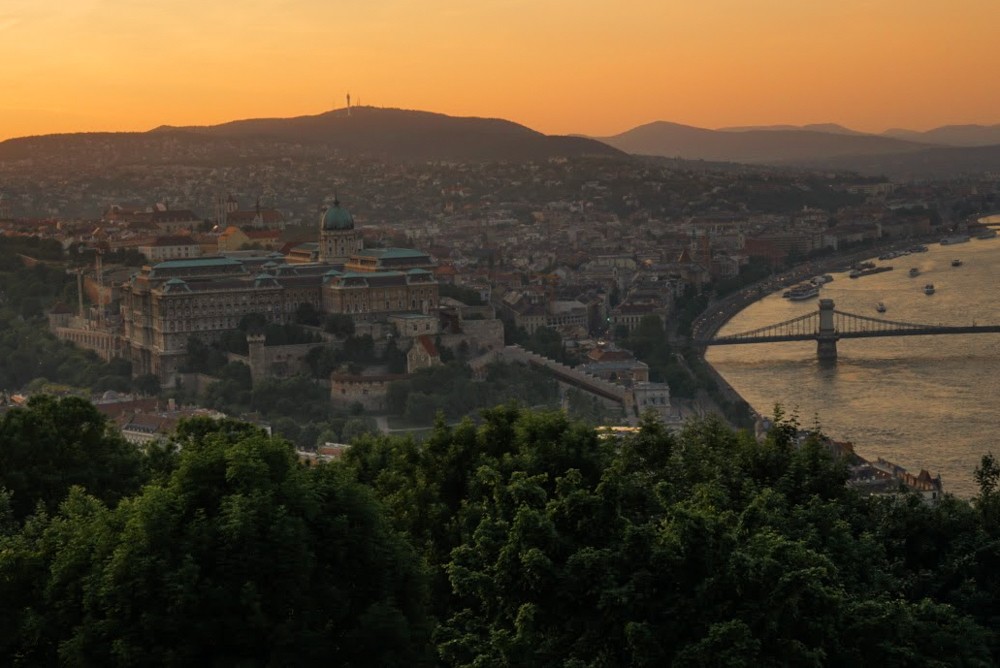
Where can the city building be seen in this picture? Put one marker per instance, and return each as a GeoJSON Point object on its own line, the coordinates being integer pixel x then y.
{"type": "Point", "coordinates": [170, 248]}
{"type": "Point", "coordinates": [338, 239]}
{"type": "Point", "coordinates": [166, 304]}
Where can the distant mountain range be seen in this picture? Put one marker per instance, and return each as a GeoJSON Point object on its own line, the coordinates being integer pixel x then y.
{"type": "Point", "coordinates": [944, 151]}
{"type": "Point", "coordinates": [947, 135]}
{"type": "Point", "coordinates": [831, 128]}
{"type": "Point", "coordinates": [952, 135]}
{"type": "Point", "coordinates": [770, 145]}
{"type": "Point", "coordinates": [393, 133]}
{"type": "Point", "coordinates": [418, 135]}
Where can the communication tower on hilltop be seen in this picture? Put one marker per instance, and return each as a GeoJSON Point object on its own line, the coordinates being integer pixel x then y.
{"type": "Point", "coordinates": [348, 104]}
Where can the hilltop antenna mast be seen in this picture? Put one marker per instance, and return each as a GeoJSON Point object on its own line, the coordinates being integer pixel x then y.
{"type": "Point", "coordinates": [348, 104]}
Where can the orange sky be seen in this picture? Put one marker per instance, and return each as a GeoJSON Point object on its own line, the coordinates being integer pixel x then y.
{"type": "Point", "coordinates": [558, 66]}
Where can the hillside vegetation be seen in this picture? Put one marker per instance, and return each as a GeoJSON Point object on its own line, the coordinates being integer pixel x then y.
{"type": "Point", "coordinates": [525, 540]}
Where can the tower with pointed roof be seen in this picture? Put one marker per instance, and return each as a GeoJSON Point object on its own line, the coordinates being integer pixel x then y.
{"type": "Point", "coordinates": [338, 240]}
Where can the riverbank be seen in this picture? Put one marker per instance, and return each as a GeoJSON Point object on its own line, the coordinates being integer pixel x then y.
{"type": "Point", "coordinates": [721, 311]}
{"type": "Point", "coordinates": [917, 401]}
{"type": "Point", "coordinates": [732, 405]}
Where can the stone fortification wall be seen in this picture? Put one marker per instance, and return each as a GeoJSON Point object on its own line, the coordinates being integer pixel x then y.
{"type": "Point", "coordinates": [478, 334]}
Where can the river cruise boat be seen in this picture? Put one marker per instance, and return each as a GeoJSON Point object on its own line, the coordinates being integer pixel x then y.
{"type": "Point", "coordinates": [929, 289]}
{"type": "Point", "coordinates": [955, 239]}
{"type": "Point", "coordinates": [858, 273]}
{"type": "Point", "coordinates": [914, 272]}
{"type": "Point", "coordinates": [803, 291]}
{"type": "Point", "coordinates": [987, 234]}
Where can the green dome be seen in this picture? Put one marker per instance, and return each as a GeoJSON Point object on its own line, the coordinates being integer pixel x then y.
{"type": "Point", "coordinates": [337, 218]}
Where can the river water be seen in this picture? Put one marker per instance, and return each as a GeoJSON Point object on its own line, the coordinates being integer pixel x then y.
{"type": "Point", "coordinates": [924, 402]}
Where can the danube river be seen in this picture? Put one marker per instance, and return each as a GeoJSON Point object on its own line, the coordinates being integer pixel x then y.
{"type": "Point", "coordinates": [924, 402]}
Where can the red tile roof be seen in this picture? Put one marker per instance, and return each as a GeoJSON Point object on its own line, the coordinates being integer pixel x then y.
{"type": "Point", "coordinates": [428, 345]}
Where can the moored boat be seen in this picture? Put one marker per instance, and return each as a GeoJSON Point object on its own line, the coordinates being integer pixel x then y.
{"type": "Point", "coordinates": [868, 271]}
{"type": "Point", "coordinates": [987, 234]}
{"type": "Point", "coordinates": [955, 239]}
{"type": "Point", "coordinates": [803, 291]}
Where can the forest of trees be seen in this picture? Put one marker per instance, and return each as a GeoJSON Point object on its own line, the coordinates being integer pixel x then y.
{"type": "Point", "coordinates": [523, 540]}
{"type": "Point", "coordinates": [29, 352]}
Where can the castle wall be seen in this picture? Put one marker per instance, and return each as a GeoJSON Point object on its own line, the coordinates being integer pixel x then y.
{"type": "Point", "coordinates": [107, 345]}
{"type": "Point", "coordinates": [277, 361]}
{"type": "Point", "coordinates": [369, 391]}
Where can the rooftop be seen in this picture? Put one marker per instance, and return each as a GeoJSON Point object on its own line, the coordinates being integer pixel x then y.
{"type": "Point", "coordinates": [198, 262]}
{"type": "Point", "coordinates": [391, 253]}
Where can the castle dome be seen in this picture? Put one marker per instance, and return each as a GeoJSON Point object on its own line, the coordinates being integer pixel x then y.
{"type": "Point", "coordinates": [337, 218]}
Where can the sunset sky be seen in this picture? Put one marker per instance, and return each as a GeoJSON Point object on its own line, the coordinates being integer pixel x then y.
{"type": "Point", "coordinates": [558, 66]}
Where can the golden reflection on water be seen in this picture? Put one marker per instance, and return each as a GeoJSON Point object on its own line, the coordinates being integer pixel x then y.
{"type": "Point", "coordinates": [922, 402]}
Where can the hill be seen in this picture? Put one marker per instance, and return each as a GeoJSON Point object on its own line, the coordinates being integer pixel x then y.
{"type": "Point", "coordinates": [951, 135]}
{"type": "Point", "coordinates": [773, 145]}
{"type": "Point", "coordinates": [940, 153]}
{"type": "Point", "coordinates": [409, 134]}
{"type": "Point", "coordinates": [830, 128]}
{"type": "Point", "coordinates": [391, 133]}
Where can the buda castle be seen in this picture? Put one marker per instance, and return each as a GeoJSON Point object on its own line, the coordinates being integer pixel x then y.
{"type": "Point", "coordinates": [166, 304]}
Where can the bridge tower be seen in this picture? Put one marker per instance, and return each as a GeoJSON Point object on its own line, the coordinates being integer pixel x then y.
{"type": "Point", "coordinates": [826, 340]}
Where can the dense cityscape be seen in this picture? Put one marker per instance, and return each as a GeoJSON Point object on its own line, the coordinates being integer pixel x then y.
{"type": "Point", "coordinates": [460, 360]}
{"type": "Point", "coordinates": [202, 281]}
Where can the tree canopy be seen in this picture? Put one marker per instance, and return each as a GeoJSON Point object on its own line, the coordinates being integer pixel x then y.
{"type": "Point", "coordinates": [526, 539]}
{"type": "Point", "coordinates": [549, 546]}
{"type": "Point", "coordinates": [53, 444]}
{"type": "Point", "coordinates": [241, 557]}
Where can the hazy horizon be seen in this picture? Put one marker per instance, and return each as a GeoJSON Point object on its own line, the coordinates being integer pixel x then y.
{"type": "Point", "coordinates": [555, 66]}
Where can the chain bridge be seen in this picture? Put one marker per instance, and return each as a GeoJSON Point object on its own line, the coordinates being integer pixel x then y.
{"type": "Point", "coordinates": [828, 325]}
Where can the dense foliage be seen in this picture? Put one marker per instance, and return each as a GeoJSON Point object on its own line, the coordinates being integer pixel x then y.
{"type": "Point", "coordinates": [451, 391]}
{"type": "Point", "coordinates": [549, 546]}
{"type": "Point", "coordinates": [28, 351]}
{"type": "Point", "coordinates": [525, 540]}
{"type": "Point", "coordinates": [298, 408]}
{"type": "Point", "coordinates": [52, 444]}
{"type": "Point", "coordinates": [239, 557]}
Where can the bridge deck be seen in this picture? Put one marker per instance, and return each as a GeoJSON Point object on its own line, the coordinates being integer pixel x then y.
{"type": "Point", "coordinates": [778, 338]}
{"type": "Point", "coordinates": [847, 326]}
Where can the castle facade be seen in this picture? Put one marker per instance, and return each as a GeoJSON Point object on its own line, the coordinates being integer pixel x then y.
{"type": "Point", "coordinates": [166, 304]}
